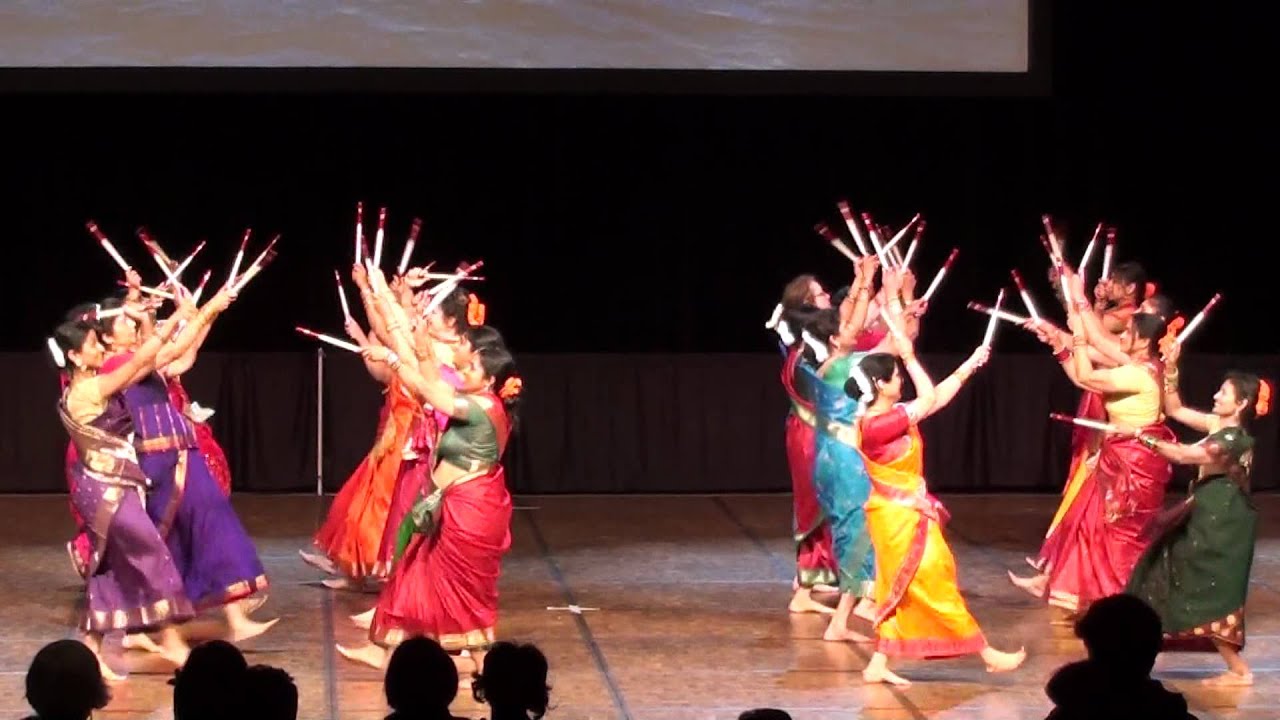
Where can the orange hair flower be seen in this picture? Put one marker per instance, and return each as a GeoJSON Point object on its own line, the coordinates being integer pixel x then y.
{"type": "Point", "coordinates": [475, 310]}
{"type": "Point", "coordinates": [1151, 289]}
{"type": "Point", "coordinates": [511, 388]}
{"type": "Point", "coordinates": [1171, 334]}
{"type": "Point", "coordinates": [1263, 405]}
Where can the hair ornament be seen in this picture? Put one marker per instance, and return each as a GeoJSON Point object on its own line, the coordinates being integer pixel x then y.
{"type": "Point", "coordinates": [1171, 334]}
{"type": "Point", "coordinates": [511, 388]}
{"type": "Point", "coordinates": [819, 350]}
{"type": "Point", "coordinates": [59, 358]}
{"type": "Point", "coordinates": [475, 310]}
{"type": "Point", "coordinates": [1263, 404]}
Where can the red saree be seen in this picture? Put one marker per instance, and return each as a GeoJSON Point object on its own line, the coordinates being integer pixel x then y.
{"type": "Point", "coordinates": [351, 536]}
{"type": "Point", "coordinates": [1084, 443]}
{"type": "Point", "coordinates": [1107, 528]}
{"type": "Point", "coordinates": [445, 587]}
{"type": "Point", "coordinates": [815, 559]}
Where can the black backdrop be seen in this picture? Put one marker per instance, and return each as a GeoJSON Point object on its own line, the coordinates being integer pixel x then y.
{"type": "Point", "coordinates": [603, 423]}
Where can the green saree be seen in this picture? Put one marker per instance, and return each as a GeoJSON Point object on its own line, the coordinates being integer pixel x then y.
{"type": "Point", "coordinates": [1196, 573]}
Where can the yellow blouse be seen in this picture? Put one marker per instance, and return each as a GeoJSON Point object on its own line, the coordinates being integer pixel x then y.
{"type": "Point", "coordinates": [84, 400]}
{"type": "Point", "coordinates": [1137, 401]}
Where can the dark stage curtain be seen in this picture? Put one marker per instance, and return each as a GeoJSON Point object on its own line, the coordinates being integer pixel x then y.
{"type": "Point", "coordinates": [605, 423]}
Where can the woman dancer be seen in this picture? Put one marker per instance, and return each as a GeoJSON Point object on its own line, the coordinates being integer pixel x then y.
{"type": "Point", "coordinates": [1105, 531]}
{"type": "Point", "coordinates": [815, 563]}
{"type": "Point", "coordinates": [920, 612]}
{"type": "Point", "coordinates": [217, 559]}
{"type": "Point", "coordinates": [1196, 574]}
{"type": "Point", "coordinates": [351, 537]}
{"type": "Point", "coordinates": [445, 586]}
{"type": "Point", "coordinates": [839, 476]}
{"type": "Point", "coordinates": [131, 581]}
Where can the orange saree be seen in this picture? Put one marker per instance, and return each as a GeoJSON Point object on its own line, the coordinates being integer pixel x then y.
{"type": "Point", "coordinates": [920, 612]}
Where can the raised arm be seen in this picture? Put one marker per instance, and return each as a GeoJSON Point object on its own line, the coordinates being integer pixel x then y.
{"type": "Point", "coordinates": [926, 397]}
{"type": "Point", "coordinates": [853, 311]}
{"type": "Point", "coordinates": [425, 381]}
{"type": "Point", "coordinates": [1173, 407]}
{"type": "Point", "coordinates": [947, 390]}
{"type": "Point", "coordinates": [143, 360]}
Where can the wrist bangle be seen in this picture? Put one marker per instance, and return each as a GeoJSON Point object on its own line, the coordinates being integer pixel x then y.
{"type": "Point", "coordinates": [1149, 441]}
{"type": "Point", "coordinates": [1062, 355]}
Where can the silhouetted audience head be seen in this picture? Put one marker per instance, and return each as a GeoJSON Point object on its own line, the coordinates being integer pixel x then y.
{"type": "Point", "coordinates": [64, 682]}
{"type": "Point", "coordinates": [1121, 633]}
{"type": "Point", "coordinates": [421, 680]}
{"type": "Point", "coordinates": [764, 714]}
{"type": "Point", "coordinates": [211, 685]}
{"type": "Point", "coordinates": [271, 693]}
{"type": "Point", "coordinates": [513, 682]}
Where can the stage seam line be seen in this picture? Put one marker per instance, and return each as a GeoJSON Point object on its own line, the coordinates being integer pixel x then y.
{"type": "Point", "coordinates": [584, 629]}
{"type": "Point", "coordinates": [330, 662]}
{"type": "Point", "coordinates": [896, 692]}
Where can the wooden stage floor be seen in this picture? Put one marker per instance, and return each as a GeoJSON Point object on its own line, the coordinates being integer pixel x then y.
{"type": "Point", "coordinates": [691, 621]}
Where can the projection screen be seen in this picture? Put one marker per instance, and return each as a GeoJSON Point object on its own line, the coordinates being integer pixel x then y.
{"type": "Point", "coordinates": [926, 36]}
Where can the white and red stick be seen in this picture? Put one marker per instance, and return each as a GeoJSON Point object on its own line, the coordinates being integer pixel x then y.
{"type": "Point", "coordinates": [331, 340]}
{"type": "Point", "coordinates": [1085, 422]}
{"type": "Point", "coordinates": [1088, 252]}
{"type": "Point", "coordinates": [106, 245]}
{"type": "Point", "coordinates": [942, 272]}
{"type": "Point", "coordinates": [1026, 296]}
{"type": "Point", "coordinates": [998, 314]}
{"type": "Point", "coordinates": [1107, 253]}
{"type": "Point", "coordinates": [204, 280]}
{"type": "Point", "coordinates": [359, 232]}
{"type": "Point", "coordinates": [847, 213]}
{"type": "Point", "coordinates": [377, 238]}
{"type": "Point", "coordinates": [1199, 318]}
{"type": "Point", "coordinates": [235, 266]}
{"type": "Point", "coordinates": [342, 297]}
{"type": "Point", "coordinates": [915, 243]}
{"type": "Point", "coordinates": [408, 246]}
{"type": "Point", "coordinates": [991, 324]}
{"type": "Point", "coordinates": [830, 236]}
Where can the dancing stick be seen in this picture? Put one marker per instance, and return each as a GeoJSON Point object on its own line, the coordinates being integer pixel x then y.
{"type": "Point", "coordinates": [903, 232]}
{"type": "Point", "coordinates": [1000, 314]}
{"type": "Point", "coordinates": [991, 324]}
{"type": "Point", "coordinates": [847, 213]}
{"type": "Point", "coordinates": [408, 246]}
{"type": "Point", "coordinates": [915, 243]}
{"type": "Point", "coordinates": [204, 280]}
{"type": "Point", "coordinates": [1107, 253]}
{"type": "Point", "coordinates": [264, 258]}
{"type": "Point", "coordinates": [359, 231]}
{"type": "Point", "coordinates": [177, 272]}
{"type": "Point", "coordinates": [1026, 296]}
{"type": "Point", "coordinates": [377, 238]}
{"type": "Point", "coordinates": [1199, 318]}
{"type": "Point", "coordinates": [875, 241]}
{"type": "Point", "coordinates": [1055, 247]}
{"type": "Point", "coordinates": [1088, 251]}
{"type": "Point", "coordinates": [329, 339]}
{"type": "Point", "coordinates": [148, 290]}
{"type": "Point", "coordinates": [106, 245]}
{"type": "Point", "coordinates": [1085, 422]}
{"type": "Point", "coordinates": [342, 297]}
{"type": "Point", "coordinates": [835, 241]}
{"type": "Point", "coordinates": [158, 254]}
{"type": "Point", "coordinates": [235, 266]}
{"type": "Point", "coordinates": [1054, 260]}
{"type": "Point", "coordinates": [942, 272]}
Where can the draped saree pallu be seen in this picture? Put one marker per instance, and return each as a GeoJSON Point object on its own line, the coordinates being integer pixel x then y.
{"type": "Point", "coordinates": [445, 584]}
{"type": "Point", "coordinates": [352, 534]}
{"type": "Point", "coordinates": [1084, 449]}
{"type": "Point", "coordinates": [1109, 526]}
{"type": "Point", "coordinates": [840, 478]}
{"type": "Point", "coordinates": [920, 612]}
{"type": "Point", "coordinates": [131, 582]}
{"type": "Point", "coordinates": [815, 562]}
{"type": "Point", "coordinates": [1196, 573]}
{"type": "Point", "coordinates": [217, 559]}
{"type": "Point", "coordinates": [414, 473]}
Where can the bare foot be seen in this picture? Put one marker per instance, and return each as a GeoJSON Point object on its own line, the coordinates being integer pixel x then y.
{"type": "Point", "coordinates": [371, 655]}
{"type": "Point", "coordinates": [846, 635]}
{"type": "Point", "coordinates": [142, 642]}
{"type": "Point", "coordinates": [865, 609]}
{"type": "Point", "coordinates": [246, 629]}
{"type": "Point", "coordinates": [884, 675]}
{"type": "Point", "coordinates": [803, 602]}
{"type": "Point", "coordinates": [176, 654]}
{"type": "Point", "coordinates": [250, 605]}
{"type": "Point", "coordinates": [1002, 661]}
{"type": "Point", "coordinates": [1035, 585]}
{"type": "Point", "coordinates": [319, 562]}
{"type": "Point", "coordinates": [342, 583]}
{"type": "Point", "coordinates": [364, 620]}
{"type": "Point", "coordinates": [1037, 565]}
{"type": "Point", "coordinates": [108, 674]}
{"type": "Point", "coordinates": [1229, 679]}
